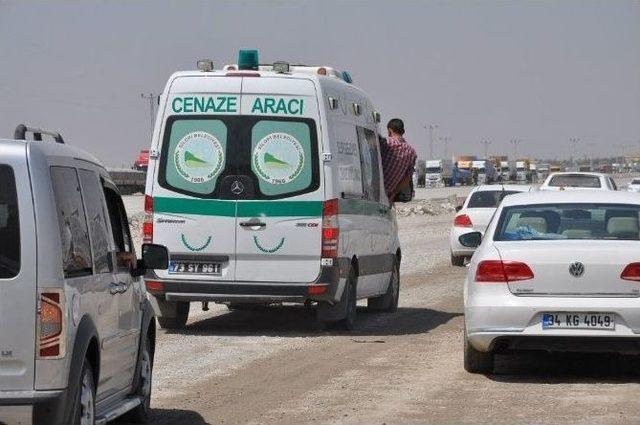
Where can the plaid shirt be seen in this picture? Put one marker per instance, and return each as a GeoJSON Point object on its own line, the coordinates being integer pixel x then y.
{"type": "Point", "coordinates": [398, 161]}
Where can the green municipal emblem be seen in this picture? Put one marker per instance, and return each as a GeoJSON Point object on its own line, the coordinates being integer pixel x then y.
{"type": "Point", "coordinates": [271, 250]}
{"type": "Point", "coordinates": [199, 248]}
{"type": "Point", "coordinates": [278, 158]}
{"type": "Point", "coordinates": [199, 157]}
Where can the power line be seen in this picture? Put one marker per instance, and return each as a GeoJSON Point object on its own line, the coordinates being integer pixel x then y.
{"type": "Point", "coordinates": [153, 100]}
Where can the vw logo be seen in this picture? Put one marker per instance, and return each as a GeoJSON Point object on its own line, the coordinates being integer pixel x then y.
{"type": "Point", "coordinates": [237, 188]}
{"type": "Point", "coordinates": [576, 269]}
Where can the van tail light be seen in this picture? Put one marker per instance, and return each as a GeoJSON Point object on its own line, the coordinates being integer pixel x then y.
{"type": "Point", "coordinates": [330, 229]}
{"type": "Point", "coordinates": [502, 271]}
{"type": "Point", "coordinates": [147, 226]}
{"type": "Point", "coordinates": [51, 324]}
{"type": "Point", "coordinates": [631, 272]}
{"type": "Point", "coordinates": [462, 220]}
{"type": "Point", "coordinates": [154, 286]}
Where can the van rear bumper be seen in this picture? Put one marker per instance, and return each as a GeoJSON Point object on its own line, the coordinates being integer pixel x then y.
{"type": "Point", "coordinates": [26, 407]}
{"type": "Point", "coordinates": [331, 277]}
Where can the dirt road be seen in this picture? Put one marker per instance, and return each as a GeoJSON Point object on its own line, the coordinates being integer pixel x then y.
{"type": "Point", "coordinates": [270, 366]}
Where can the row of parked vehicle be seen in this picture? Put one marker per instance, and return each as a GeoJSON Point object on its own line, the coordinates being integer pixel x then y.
{"type": "Point", "coordinates": [555, 268]}
{"type": "Point", "coordinates": [264, 185]}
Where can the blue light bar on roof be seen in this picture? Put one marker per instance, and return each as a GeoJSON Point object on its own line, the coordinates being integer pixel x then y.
{"type": "Point", "coordinates": [248, 60]}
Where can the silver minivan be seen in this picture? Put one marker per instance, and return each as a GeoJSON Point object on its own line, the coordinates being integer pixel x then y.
{"type": "Point", "coordinates": [78, 334]}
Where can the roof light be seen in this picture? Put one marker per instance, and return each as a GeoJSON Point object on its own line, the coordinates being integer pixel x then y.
{"type": "Point", "coordinates": [322, 71]}
{"type": "Point", "coordinates": [205, 65]}
{"type": "Point", "coordinates": [248, 60]}
{"type": "Point", "coordinates": [281, 67]}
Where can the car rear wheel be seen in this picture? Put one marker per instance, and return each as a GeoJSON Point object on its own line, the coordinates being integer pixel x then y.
{"type": "Point", "coordinates": [180, 319]}
{"type": "Point", "coordinates": [84, 412]}
{"type": "Point", "coordinates": [141, 413]}
{"type": "Point", "coordinates": [476, 361]}
{"type": "Point", "coordinates": [457, 261]}
{"type": "Point", "coordinates": [389, 301]}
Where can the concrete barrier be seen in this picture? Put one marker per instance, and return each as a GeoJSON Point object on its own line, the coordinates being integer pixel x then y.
{"type": "Point", "coordinates": [128, 181]}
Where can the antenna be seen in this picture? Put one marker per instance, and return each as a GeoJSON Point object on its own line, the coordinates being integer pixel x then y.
{"type": "Point", "coordinates": [153, 100]}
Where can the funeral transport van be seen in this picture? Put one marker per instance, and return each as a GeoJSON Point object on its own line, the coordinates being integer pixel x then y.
{"type": "Point", "coordinates": [265, 185]}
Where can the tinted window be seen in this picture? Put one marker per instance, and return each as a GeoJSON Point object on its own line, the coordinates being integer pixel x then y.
{"type": "Point", "coordinates": [9, 225]}
{"type": "Point", "coordinates": [94, 201]}
{"type": "Point", "coordinates": [120, 229]}
{"type": "Point", "coordinates": [569, 221]}
{"type": "Point", "coordinates": [575, 180]}
{"type": "Point", "coordinates": [74, 234]}
{"type": "Point", "coordinates": [488, 198]}
{"type": "Point", "coordinates": [370, 163]}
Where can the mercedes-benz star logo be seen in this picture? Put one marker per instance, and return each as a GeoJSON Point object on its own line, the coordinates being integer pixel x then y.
{"type": "Point", "coordinates": [576, 269]}
{"type": "Point", "coordinates": [237, 188]}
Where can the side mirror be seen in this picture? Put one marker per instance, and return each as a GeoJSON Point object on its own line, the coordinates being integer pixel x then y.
{"type": "Point", "coordinates": [458, 208]}
{"type": "Point", "coordinates": [471, 240]}
{"type": "Point", "coordinates": [155, 257]}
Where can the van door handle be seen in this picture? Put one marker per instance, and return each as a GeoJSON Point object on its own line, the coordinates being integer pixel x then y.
{"type": "Point", "coordinates": [253, 224]}
{"type": "Point", "coordinates": [115, 288]}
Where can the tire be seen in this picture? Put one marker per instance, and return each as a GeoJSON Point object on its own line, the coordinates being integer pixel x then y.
{"type": "Point", "coordinates": [142, 412]}
{"type": "Point", "coordinates": [389, 301]}
{"type": "Point", "coordinates": [178, 322]}
{"type": "Point", "coordinates": [84, 407]}
{"type": "Point", "coordinates": [349, 322]}
{"type": "Point", "coordinates": [476, 361]}
{"type": "Point", "coordinates": [457, 261]}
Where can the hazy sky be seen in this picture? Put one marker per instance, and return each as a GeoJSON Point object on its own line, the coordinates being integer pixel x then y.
{"type": "Point", "coordinates": [539, 71]}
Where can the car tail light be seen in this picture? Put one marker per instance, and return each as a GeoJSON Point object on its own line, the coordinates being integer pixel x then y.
{"type": "Point", "coordinates": [631, 272]}
{"type": "Point", "coordinates": [503, 271]}
{"type": "Point", "coordinates": [154, 286]}
{"type": "Point", "coordinates": [51, 324]}
{"type": "Point", "coordinates": [147, 226]}
{"type": "Point", "coordinates": [316, 289]}
{"type": "Point", "coordinates": [330, 230]}
{"type": "Point", "coordinates": [462, 220]}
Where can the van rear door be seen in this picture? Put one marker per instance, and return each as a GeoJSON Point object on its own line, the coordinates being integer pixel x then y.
{"type": "Point", "coordinates": [17, 271]}
{"type": "Point", "coordinates": [278, 231]}
{"type": "Point", "coordinates": [192, 216]}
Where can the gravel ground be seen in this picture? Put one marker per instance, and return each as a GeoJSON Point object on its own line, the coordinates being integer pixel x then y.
{"type": "Point", "coordinates": [271, 366]}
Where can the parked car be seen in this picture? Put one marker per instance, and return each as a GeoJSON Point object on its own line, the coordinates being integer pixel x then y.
{"type": "Point", "coordinates": [578, 181]}
{"type": "Point", "coordinates": [475, 214]}
{"type": "Point", "coordinates": [555, 271]}
{"type": "Point", "coordinates": [634, 186]}
{"type": "Point", "coordinates": [142, 161]}
{"type": "Point", "coordinates": [78, 334]}
{"type": "Point", "coordinates": [258, 205]}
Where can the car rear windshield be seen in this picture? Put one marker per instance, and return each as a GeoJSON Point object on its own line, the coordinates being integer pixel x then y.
{"type": "Point", "coordinates": [488, 198]}
{"type": "Point", "coordinates": [635, 181]}
{"type": "Point", "coordinates": [271, 157]}
{"type": "Point", "coordinates": [9, 225]}
{"type": "Point", "coordinates": [575, 180]}
{"type": "Point", "coordinates": [569, 221]}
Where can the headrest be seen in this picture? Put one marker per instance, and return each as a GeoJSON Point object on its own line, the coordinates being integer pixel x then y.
{"type": "Point", "coordinates": [537, 222]}
{"type": "Point", "coordinates": [625, 226]}
{"type": "Point", "coordinates": [577, 233]}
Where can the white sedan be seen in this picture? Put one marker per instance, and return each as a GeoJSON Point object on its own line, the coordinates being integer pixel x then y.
{"type": "Point", "coordinates": [556, 271]}
{"type": "Point", "coordinates": [578, 181]}
{"type": "Point", "coordinates": [634, 186]}
{"type": "Point", "coordinates": [475, 214]}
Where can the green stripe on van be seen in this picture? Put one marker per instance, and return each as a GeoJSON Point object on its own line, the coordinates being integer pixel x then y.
{"type": "Point", "coordinates": [222, 208]}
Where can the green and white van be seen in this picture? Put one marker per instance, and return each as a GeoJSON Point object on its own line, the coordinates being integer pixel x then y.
{"type": "Point", "coordinates": [265, 184]}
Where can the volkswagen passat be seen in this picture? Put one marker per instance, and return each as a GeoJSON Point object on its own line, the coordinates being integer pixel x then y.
{"type": "Point", "coordinates": [557, 271]}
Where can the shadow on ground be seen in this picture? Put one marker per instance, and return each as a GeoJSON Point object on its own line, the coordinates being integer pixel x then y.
{"type": "Point", "coordinates": [560, 368]}
{"type": "Point", "coordinates": [298, 321]}
{"type": "Point", "coordinates": [171, 417]}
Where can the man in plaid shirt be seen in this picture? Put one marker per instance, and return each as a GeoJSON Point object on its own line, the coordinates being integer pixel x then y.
{"type": "Point", "coordinates": [398, 160]}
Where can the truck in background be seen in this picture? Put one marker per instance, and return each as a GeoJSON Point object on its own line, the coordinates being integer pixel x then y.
{"type": "Point", "coordinates": [523, 171]}
{"type": "Point", "coordinates": [543, 171]}
{"type": "Point", "coordinates": [465, 164]}
{"type": "Point", "coordinates": [438, 173]}
{"type": "Point", "coordinates": [486, 171]}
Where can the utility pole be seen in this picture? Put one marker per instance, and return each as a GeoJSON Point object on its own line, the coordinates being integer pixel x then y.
{"type": "Point", "coordinates": [445, 140]}
{"type": "Point", "coordinates": [486, 144]}
{"type": "Point", "coordinates": [515, 143]}
{"type": "Point", "coordinates": [574, 141]}
{"type": "Point", "coordinates": [153, 100]}
{"type": "Point", "coordinates": [432, 128]}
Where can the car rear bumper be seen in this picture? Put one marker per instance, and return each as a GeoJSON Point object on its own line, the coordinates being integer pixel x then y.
{"type": "Point", "coordinates": [498, 319]}
{"type": "Point", "coordinates": [332, 278]}
{"type": "Point", "coordinates": [27, 407]}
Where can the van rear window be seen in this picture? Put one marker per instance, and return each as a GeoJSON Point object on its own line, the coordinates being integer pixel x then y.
{"type": "Point", "coordinates": [9, 225]}
{"type": "Point", "coordinates": [215, 157]}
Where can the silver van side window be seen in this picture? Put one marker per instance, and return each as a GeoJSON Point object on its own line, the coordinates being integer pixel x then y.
{"type": "Point", "coordinates": [125, 256]}
{"type": "Point", "coordinates": [94, 202]}
{"type": "Point", "coordinates": [9, 225]}
{"type": "Point", "coordinates": [74, 234]}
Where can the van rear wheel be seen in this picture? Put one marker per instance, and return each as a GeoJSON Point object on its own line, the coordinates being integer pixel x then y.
{"type": "Point", "coordinates": [389, 301]}
{"type": "Point", "coordinates": [84, 411]}
{"type": "Point", "coordinates": [349, 321]}
{"type": "Point", "coordinates": [179, 320]}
